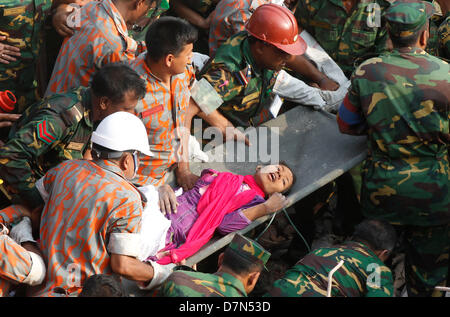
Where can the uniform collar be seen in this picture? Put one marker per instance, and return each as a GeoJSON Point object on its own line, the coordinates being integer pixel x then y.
{"type": "Point", "coordinates": [113, 168]}
{"type": "Point", "coordinates": [107, 165]}
{"type": "Point", "coordinates": [233, 281]}
{"type": "Point", "coordinates": [409, 50]}
{"type": "Point", "coordinates": [120, 24]}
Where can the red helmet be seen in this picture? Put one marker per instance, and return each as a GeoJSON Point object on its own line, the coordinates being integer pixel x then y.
{"type": "Point", "coordinates": [276, 25]}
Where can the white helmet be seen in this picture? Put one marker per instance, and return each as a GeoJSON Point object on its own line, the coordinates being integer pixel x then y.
{"type": "Point", "coordinates": [122, 131]}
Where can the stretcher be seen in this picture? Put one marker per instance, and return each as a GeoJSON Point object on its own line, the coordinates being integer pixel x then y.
{"type": "Point", "coordinates": [308, 141]}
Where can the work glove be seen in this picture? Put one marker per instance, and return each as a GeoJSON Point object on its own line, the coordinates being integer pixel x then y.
{"type": "Point", "coordinates": [22, 232]}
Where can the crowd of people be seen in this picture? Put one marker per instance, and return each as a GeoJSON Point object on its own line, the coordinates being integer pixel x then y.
{"type": "Point", "coordinates": [95, 179]}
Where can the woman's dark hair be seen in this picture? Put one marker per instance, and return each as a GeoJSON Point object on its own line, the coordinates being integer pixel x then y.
{"type": "Point", "coordinates": [114, 80]}
{"type": "Point", "coordinates": [379, 234]}
{"type": "Point", "coordinates": [294, 177]}
{"type": "Point", "coordinates": [168, 35]}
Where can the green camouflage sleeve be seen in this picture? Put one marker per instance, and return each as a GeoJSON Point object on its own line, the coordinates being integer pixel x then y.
{"type": "Point", "coordinates": [20, 156]}
{"type": "Point", "coordinates": [223, 86]}
{"type": "Point", "coordinates": [382, 284]}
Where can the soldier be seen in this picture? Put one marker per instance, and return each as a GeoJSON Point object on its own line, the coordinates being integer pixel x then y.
{"type": "Point", "coordinates": [230, 17]}
{"type": "Point", "coordinates": [59, 127]}
{"type": "Point", "coordinates": [401, 101]}
{"type": "Point", "coordinates": [441, 12]}
{"type": "Point", "coordinates": [92, 226]}
{"type": "Point", "coordinates": [21, 38]}
{"type": "Point", "coordinates": [346, 29]}
{"type": "Point", "coordinates": [362, 274]}
{"type": "Point", "coordinates": [239, 269]}
{"type": "Point", "coordinates": [101, 39]}
{"type": "Point", "coordinates": [239, 81]}
{"type": "Point", "coordinates": [166, 69]}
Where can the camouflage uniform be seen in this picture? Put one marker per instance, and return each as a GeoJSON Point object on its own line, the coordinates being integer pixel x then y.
{"type": "Point", "coordinates": [56, 129]}
{"type": "Point", "coordinates": [434, 45]}
{"type": "Point", "coordinates": [401, 99]}
{"type": "Point", "coordinates": [444, 37]}
{"type": "Point", "coordinates": [22, 22]}
{"type": "Point", "coordinates": [234, 83]}
{"type": "Point", "coordinates": [219, 284]}
{"type": "Point", "coordinates": [139, 31]}
{"type": "Point", "coordinates": [346, 37]}
{"type": "Point", "coordinates": [362, 274]}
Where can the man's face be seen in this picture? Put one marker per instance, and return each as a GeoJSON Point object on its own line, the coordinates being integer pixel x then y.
{"type": "Point", "coordinates": [128, 104]}
{"type": "Point", "coordinates": [182, 59]}
{"type": "Point", "coordinates": [141, 10]}
{"type": "Point", "coordinates": [272, 57]}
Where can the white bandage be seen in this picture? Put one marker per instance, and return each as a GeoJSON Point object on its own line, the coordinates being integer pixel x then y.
{"type": "Point", "coordinates": [160, 274]}
{"type": "Point", "coordinates": [37, 272]}
{"type": "Point", "coordinates": [124, 243]}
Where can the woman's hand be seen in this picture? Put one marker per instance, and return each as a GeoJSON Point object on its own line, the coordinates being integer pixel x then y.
{"type": "Point", "coordinates": [7, 52]}
{"type": "Point", "coordinates": [167, 199]}
{"type": "Point", "coordinates": [275, 202]}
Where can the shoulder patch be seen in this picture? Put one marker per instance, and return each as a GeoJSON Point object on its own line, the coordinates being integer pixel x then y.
{"type": "Point", "coordinates": [43, 132]}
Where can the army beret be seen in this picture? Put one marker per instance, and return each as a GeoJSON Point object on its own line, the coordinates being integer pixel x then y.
{"type": "Point", "coordinates": [405, 18]}
{"type": "Point", "coordinates": [249, 249]}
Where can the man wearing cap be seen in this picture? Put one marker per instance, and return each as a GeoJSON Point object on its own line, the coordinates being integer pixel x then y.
{"type": "Point", "coordinates": [235, 88]}
{"type": "Point", "coordinates": [239, 269]}
{"type": "Point", "coordinates": [401, 101]}
{"type": "Point", "coordinates": [362, 272]}
{"type": "Point", "coordinates": [346, 29]}
{"type": "Point", "coordinates": [92, 226]}
{"type": "Point", "coordinates": [58, 128]}
{"type": "Point", "coordinates": [229, 18]}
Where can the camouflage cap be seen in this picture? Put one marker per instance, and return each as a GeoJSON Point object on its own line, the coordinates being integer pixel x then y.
{"type": "Point", "coordinates": [249, 249]}
{"type": "Point", "coordinates": [405, 18]}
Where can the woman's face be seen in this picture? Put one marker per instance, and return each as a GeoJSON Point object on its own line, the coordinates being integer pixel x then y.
{"type": "Point", "coordinates": [274, 178]}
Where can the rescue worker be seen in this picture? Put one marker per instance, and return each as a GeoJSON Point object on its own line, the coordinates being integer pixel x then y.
{"type": "Point", "coordinates": [401, 101]}
{"type": "Point", "coordinates": [92, 226]}
{"type": "Point", "coordinates": [168, 75]}
{"type": "Point", "coordinates": [20, 258]}
{"type": "Point", "coordinates": [362, 274]}
{"type": "Point", "coordinates": [230, 17]}
{"type": "Point", "coordinates": [59, 127]}
{"type": "Point", "coordinates": [239, 269]}
{"type": "Point", "coordinates": [350, 31]}
{"type": "Point", "coordinates": [235, 88]}
{"type": "Point", "coordinates": [101, 39]}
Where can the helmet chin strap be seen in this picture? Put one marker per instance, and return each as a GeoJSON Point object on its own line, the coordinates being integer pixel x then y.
{"type": "Point", "coordinates": [136, 163]}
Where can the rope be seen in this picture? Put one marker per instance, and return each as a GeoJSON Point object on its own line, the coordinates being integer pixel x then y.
{"type": "Point", "coordinates": [292, 224]}
{"type": "Point", "coordinates": [296, 230]}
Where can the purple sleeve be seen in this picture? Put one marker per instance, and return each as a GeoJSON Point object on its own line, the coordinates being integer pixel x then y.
{"type": "Point", "coordinates": [236, 220]}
